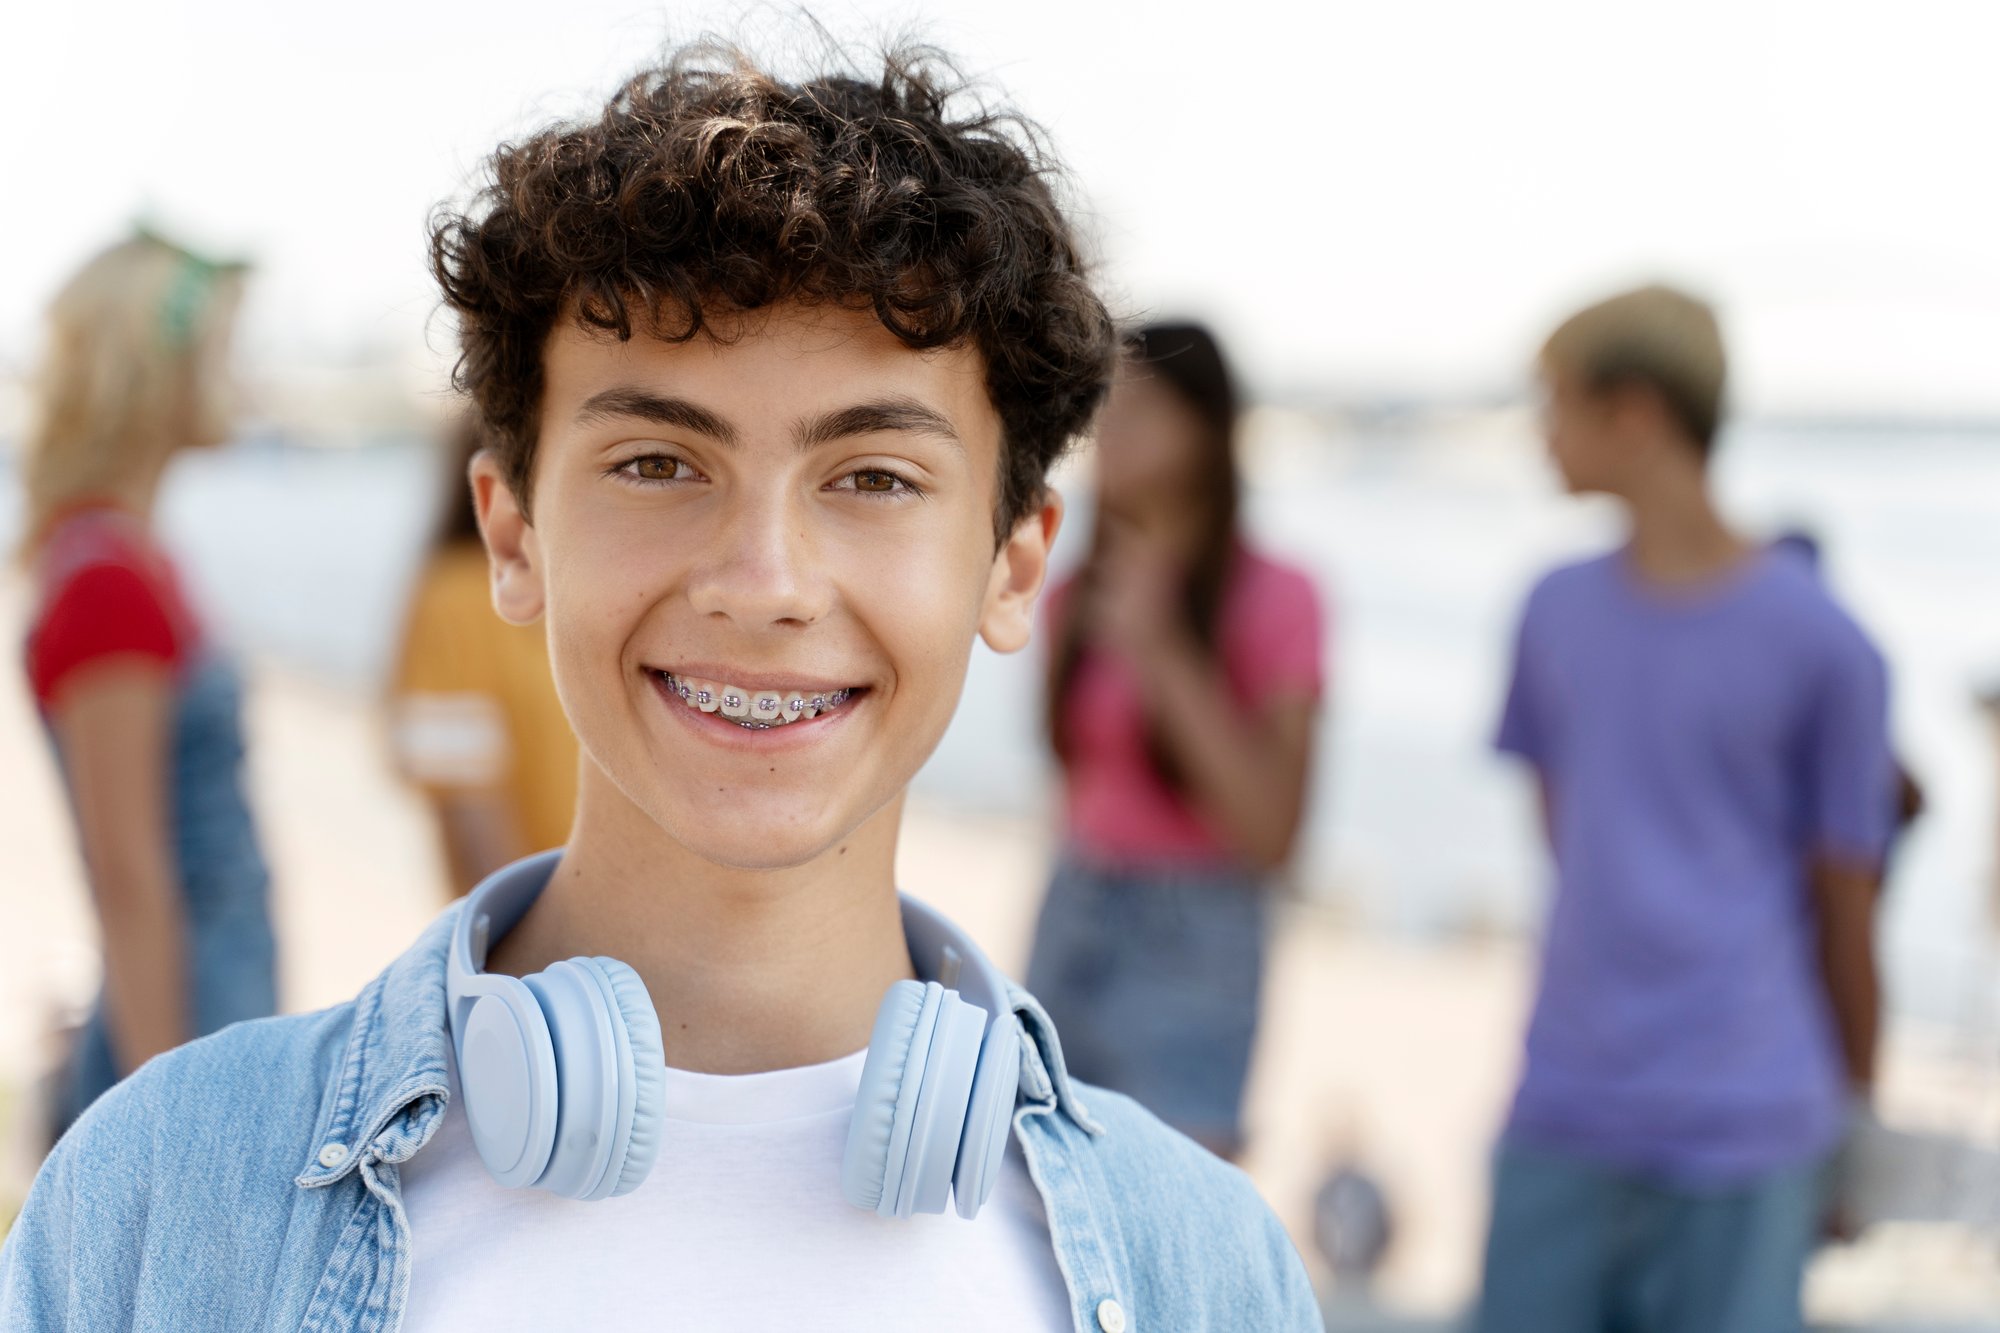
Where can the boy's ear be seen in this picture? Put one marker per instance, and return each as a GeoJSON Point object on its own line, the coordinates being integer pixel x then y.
{"type": "Point", "coordinates": [1007, 616]}
{"type": "Point", "coordinates": [512, 550]}
{"type": "Point", "coordinates": [1638, 411]}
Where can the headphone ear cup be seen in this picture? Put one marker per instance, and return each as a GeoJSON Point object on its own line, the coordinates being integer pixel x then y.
{"type": "Point", "coordinates": [507, 1076]}
{"type": "Point", "coordinates": [989, 1116]}
{"type": "Point", "coordinates": [871, 1168]}
{"type": "Point", "coordinates": [589, 1075]}
{"type": "Point", "coordinates": [649, 1075]}
{"type": "Point", "coordinates": [942, 1104]}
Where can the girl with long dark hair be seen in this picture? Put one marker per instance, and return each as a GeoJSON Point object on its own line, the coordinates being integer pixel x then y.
{"type": "Point", "coordinates": [1183, 687]}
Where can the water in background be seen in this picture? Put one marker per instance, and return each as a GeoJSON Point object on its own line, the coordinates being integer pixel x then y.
{"type": "Point", "coordinates": [1425, 542]}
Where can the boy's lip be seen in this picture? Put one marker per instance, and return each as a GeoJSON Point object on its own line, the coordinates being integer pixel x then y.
{"type": "Point", "coordinates": [755, 680]}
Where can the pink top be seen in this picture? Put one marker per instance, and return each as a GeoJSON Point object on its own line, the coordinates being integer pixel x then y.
{"type": "Point", "coordinates": [1117, 807]}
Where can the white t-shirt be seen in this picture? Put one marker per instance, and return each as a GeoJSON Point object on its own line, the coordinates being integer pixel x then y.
{"type": "Point", "coordinates": [741, 1225]}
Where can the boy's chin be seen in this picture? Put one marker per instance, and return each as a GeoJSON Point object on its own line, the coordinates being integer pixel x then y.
{"type": "Point", "coordinates": [745, 845]}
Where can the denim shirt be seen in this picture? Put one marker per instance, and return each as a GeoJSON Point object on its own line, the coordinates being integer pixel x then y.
{"type": "Point", "coordinates": [250, 1180]}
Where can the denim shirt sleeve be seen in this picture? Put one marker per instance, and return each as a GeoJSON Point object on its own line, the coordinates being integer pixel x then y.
{"type": "Point", "coordinates": [1143, 1217]}
{"type": "Point", "coordinates": [57, 1270]}
{"type": "Point", "coordinates": [170, 1203]}
{"type": "Point", "coordinates": [37, 1260]}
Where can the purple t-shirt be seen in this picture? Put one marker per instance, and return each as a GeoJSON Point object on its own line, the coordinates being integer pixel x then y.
{"type": "Point", "coordinates": [1700, 748]}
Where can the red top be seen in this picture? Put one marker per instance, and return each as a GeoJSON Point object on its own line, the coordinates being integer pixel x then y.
{"type": "Point", "coordinates": [106, 590]}
{"type": "Point", "coordinates": [1269, 641]}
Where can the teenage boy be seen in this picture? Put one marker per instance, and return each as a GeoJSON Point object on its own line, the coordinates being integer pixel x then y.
{"type": "Point", "coordinates": [774, 372]}
{"type": "Point", "coordinates": [1710, 733]}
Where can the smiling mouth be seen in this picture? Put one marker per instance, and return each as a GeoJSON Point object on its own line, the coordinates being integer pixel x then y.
{"type": "Point", "coordinates": [755, 710]}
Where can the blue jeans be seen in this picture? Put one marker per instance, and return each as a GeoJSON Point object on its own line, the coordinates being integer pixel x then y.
{"type": "Point", "coordinates": [1580, 1247]}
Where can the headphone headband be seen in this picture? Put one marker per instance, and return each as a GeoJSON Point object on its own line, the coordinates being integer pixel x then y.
{"type": "Point", "coordinates": [524, 1041]}
{"type": "Point", "coordinates": [940, 951]}
{"type": "Point", "coordinates": [492, 909]}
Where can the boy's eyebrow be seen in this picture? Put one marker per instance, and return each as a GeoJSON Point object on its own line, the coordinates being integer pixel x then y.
{"type": "Point", "coordinates": [898, 413]}
{"type": "Point", "coordinates": [657, 408]}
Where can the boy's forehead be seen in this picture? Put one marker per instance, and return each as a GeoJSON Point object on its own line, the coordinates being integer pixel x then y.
{"type": "Point", "coordinates": [782, 359]}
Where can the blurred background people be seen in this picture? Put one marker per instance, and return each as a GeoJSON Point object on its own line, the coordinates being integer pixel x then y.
{"type": "Point", "coordinates": [474, 719]}
{"type": "Point", "coordinates": [1710, 732]}
{"type": "Point", "coordinates": [141, 707]}
{"type": "Point", "coordinates": [1184, 680]}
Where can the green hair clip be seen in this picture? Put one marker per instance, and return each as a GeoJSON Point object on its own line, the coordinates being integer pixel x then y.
{"type": "Point", "coordinates": [192, 286]}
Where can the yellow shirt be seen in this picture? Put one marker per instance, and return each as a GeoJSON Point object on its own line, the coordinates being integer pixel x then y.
{"type": "Point", "coordinates": [476, 707]}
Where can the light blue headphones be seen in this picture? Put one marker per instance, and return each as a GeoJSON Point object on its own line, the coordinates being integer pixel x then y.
{"type": "Point", "coordinates": [563, 1072]}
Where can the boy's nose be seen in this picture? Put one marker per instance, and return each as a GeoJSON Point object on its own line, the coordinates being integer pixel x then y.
{"type": "Point", "coordinates": [759, 567]}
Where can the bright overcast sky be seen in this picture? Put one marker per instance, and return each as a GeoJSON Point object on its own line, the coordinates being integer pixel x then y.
{"type": "Point", "coordinates": [1366, 197]}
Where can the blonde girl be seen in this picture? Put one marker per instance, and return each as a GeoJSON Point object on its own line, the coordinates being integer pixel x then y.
{"type": "Point", "coordinates": [142, 712]}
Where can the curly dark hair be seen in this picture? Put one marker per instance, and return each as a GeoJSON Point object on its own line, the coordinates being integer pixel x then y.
{"type": "Point", "coordinates": [709, 185]}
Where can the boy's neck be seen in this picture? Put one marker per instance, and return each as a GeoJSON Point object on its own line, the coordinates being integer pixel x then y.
{"type": "Point", "coordinates": [749, 970]}
{"type": "Point", "coordinates": [1678, 537]}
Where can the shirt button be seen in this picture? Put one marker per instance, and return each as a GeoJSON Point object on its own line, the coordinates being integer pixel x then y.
{"type": "Point", "coordinates": [1110, 1316]}
{"type": "Point", "coordinates": [332, 1155]}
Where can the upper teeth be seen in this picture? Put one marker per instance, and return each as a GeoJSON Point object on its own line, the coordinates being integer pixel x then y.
{"type": "Point", "coordinates": [752, 708]}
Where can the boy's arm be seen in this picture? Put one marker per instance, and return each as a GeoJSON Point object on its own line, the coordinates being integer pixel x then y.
{"type": "Point", "coordinates": [1845, 894]}
{"type": "Point", "coordinates": [1545, 802]}
{"type": "Point", "coordinates": [1850, 779]}
{"type": "Point", "coordinates": [1520, 732]}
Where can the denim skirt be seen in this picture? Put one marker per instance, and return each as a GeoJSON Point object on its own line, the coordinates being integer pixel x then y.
{"type": "Point", "coordinates": [1152, 975]}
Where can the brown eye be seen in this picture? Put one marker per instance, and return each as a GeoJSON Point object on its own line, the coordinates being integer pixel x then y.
{"type": "Point", "coordinates": [654, 467]}
{"type": "Point", "coordinates": [878, 483]}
